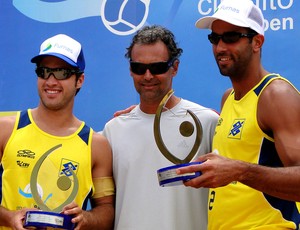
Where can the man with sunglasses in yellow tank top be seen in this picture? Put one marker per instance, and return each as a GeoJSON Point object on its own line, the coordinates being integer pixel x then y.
{"type": "Point", "coordinates": [61, 147]}
{"type": "Point", "coordinates": [254, 170]}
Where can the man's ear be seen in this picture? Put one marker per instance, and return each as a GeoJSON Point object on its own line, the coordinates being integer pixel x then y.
{"type": "Point", "coordinates": [175, 67]}
{"type": "Point", "coordinates": [258, 41]}
{"type": "Point", "coordinates": [80, 81]}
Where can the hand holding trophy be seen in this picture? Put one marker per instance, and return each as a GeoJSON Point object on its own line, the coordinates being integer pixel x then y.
{"type": "Point", "coordinates": [167, 176]}
{"type": "Point", "coordinates": [50, 218]}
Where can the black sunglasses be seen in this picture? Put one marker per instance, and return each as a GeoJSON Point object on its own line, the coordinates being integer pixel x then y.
{"type": "Point", "coordinates": [228, 37]}
{"type": "Point", "coordinates": [154, 68]}
{"type": "Point", "coordinates": [58, 73]}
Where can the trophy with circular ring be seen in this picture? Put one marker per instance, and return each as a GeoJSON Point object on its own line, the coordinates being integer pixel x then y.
{"type": "Point", "coordinates": [47, 218]}
{"type": "Point", "coordinates": [167, 176]}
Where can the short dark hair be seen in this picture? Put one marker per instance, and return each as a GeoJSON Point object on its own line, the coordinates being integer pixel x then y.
{"type": "Point", "coordinates": [152, 34]}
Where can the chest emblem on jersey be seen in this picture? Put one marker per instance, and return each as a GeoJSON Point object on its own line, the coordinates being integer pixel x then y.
{"type": "Point", "coordinates": [236, 129]}
{"type": "Point", "coordinates": [66, 165]}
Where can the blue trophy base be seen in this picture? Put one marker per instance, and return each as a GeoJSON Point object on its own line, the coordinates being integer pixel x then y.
{"type": "Point", "coordinates": [47, 220]}
{"type": "Point", "coordinates": [168, 177]}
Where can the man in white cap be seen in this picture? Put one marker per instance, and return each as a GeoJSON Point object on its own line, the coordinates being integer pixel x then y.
{"type": "Point", "coordinates": [254, 170]}
{"type": "Point", "coordinates": [52, 163]}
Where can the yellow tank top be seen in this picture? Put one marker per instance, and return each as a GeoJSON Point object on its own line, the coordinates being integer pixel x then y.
{"type": "Point", "coordinates": [26, 145]}
{"type": "Point", "coordinates": [238, 136]}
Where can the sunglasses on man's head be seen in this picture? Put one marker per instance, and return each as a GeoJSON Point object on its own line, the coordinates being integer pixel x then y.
{"type": "Point", "coordinates": [154, 68]}
{"type": "Point", "coordinates": [228, 37]}
{"type": "Point", "coordinates": [58, 73]}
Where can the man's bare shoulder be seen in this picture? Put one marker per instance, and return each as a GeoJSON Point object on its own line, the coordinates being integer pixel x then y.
{"type": "Point", "coordinates": [7, 123]}
{"type": "Point", "coordinates": [6, 126]}
{"type": "Point", "coordinates": [278, 106]}
{"type": "Point", "coordinates": [99, 138]}
{"type": "Point", "coordinates": [280, 86]}
{"type": "Point", "coordinates": [101, 156]}
{"type": "Point", "coordinates": [100, 146]}
{"type": "Point", "coordinates": [280, 93]}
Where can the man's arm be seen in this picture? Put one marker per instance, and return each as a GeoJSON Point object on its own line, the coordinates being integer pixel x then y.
{"type": "Point", "coordinates": [279, 115]}
{"type": "Point", "coordinates": [8, 218]}
{"type": "Point", "coordinates": [104, 197]}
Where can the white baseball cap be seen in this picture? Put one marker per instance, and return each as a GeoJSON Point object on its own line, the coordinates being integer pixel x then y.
{"type": "Point", "coordinates": [63, 47]}
{"type": "Point", "coordinates": [243, 13]}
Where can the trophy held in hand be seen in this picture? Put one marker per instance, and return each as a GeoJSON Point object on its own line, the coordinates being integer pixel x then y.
{"type": "Point", "coordinates": [47, 218]}
{"type": "Point", "coordinates": [167, 176]}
